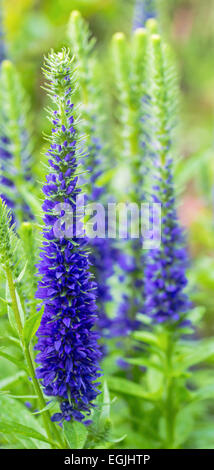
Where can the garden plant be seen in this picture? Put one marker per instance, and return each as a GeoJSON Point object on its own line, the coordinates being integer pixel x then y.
{"type": "Point", "coordinates": [106, 273]}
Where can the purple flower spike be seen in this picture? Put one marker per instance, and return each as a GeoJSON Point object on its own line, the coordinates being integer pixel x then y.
{"type": "Point", "coordinates": [68, 349]}
{"type": "Point", "coordinates": [165, 271]}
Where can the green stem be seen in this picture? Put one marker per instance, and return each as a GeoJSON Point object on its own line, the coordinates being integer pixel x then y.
{"type": "Point", "coordinates": [49, 426]}
{"type": "Point", "coordinates": [42, 404]}
{"type": "Point", "coordinates": [169, 403]}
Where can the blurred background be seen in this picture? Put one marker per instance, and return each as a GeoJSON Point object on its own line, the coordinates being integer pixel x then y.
{"type": "Point", "coordinates": [31, 27]}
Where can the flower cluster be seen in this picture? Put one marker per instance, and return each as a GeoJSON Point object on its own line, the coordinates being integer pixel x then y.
{"type": "Point", "coordinates": [69, 354]}
{"type": "Point", "coordinates": [165, 271]}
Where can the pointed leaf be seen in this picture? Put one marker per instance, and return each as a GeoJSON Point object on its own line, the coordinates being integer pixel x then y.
{"type": "Point", "coordinates": [126, 387]}
{"type": "Point", "coordinates": [75, 434]}
{"type": "Point", "coordinates": [31, 326]}
{"type": "Point", "coordinates": [146, 337]}
{"type": "Point", "coordinates": [105, 411]}
{"type": "Point", "coordinates": [22, 273]}
{"type": "Point", "coordinates": [10, 427]}
{"type": "Point", "coordinates": [47, 407]}
{"type": "Point", "coordinates": [200, 352]}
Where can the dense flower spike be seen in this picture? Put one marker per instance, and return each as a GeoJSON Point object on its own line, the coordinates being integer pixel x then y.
{"type": "Point", "coordinates": [68, 347]}
{"type": "Point", "coordinates": [165, 273]}
{"type": "Point", "coordinates": [15, 147]}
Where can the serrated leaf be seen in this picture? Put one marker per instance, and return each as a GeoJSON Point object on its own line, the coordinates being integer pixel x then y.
{"type": "Point", "coordinates": [75, 434]}
{"type": "Point", "coordinates": [126, 387]}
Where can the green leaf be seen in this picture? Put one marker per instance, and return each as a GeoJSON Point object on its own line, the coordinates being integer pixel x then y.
{"type": "Point", "coordinates": [105, 411]}
{"type": "Point", "coordinates": [5, 301]}
{"type": "Point", "coordinates": [117, 440]}
{"type": "Point", "coordinates": [126, 387]}
{"type": "Point", "coordinates": [184, 425]}
{"type": "Point", "coordinates": [146, 337]}
{"type": "Point", "coordinates": [47, 407]}
{"type": "Point", "coordinates": [12, 359]}
{"type": "Point", "coordinates": [10, 312]}
{"type": "Point", "coordinates": [12, 340]}
{"type": "Point", "coordinates": [201, 351]}
{"type": "Point", "coordinates": [31, 326]}
{"type": "Point", "coordinates": [22, 273]}
{"type": "Point", "coordinates": [105, 178]}
{"type": "Point", "coordinates": [11, 379]}
{"type": "Point", "coordinates": [20, 397]}
{"type": "Point", "coordinates": [204, 393]}
{"type": "Point", "coordinates": [75, 434]}
{"type": "Point", "coordinates": [14, 410]}
{"type": "Point", "coordinates": [143, 362]}
{"type": "Point", "coordinates": [11, 427]}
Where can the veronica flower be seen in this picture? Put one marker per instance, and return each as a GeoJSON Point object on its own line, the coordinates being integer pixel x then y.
{"type": "Point", "coordinates": [165, 271]}
{"type": "Point", "coordinates": [68, 358]}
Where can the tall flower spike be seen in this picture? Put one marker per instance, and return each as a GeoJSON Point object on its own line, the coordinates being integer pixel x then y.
{"type": "Point", "coordinates": [16, 145]}
{"type": "Point", "coordinates": [165, 272]}
{"type": "Point", "coordinates": [103, 252]}
{"type": "Point", "coordinates": [69, 354]}
{"type": "Point", "coordinates": [130, 67]}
